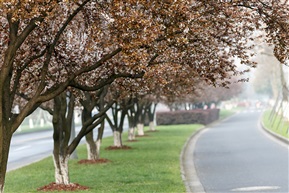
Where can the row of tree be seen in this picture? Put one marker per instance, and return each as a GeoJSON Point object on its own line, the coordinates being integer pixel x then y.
{"type": "Point", "coordinates": [120, 55]}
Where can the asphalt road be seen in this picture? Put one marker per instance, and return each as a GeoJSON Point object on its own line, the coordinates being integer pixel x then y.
{"type": "Point", "coordinates": [236, 156]}
{"type": "Point", "coordinates": [31, 147]}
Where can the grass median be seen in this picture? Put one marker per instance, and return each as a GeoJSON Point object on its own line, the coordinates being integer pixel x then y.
{"type": "Point", "coordinates": [152, 165]}
{"type": "Point", "coordinates": [278, 125]}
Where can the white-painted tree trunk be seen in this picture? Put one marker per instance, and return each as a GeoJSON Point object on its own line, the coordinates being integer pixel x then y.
{"type": "Point", "coordinates": [1, 188]}
{"type": "Point", "coordinates": [61, 170]}
{"type": "Point", "coordinates": [152, 126]}
{"type": "Point", "coordinates": [131, 134]}
{"type": "Point", "coordinates": [98, 144]}
{"type": "Point", "coordinates": [90, 154]}
{"type": "Point", "coordinates": [140, 130]}
{"type": "Point", "coordinates": [93, 153]}
{"type": "Point", "coordinates": [117, 138]}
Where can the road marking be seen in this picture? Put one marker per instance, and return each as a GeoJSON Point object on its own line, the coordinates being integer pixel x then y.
{"type": "Point", "coordinates": [255, 188]}
{"type": "Point", "coordinates": [23, 147]}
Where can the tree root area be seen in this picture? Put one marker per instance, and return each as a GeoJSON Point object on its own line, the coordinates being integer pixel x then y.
{"type": "Point", "coordinates": [143, 135]}
{"type": "Point", "coordinates": [62, 187]}
{"type": "Point", "coordinates": [134, 140]}
{"type": "Point", "coordinates": [97, 161]}
{"type": "Point", "coordinates": [152, 131]}
{"type": "Point", "coordinates": [124, 147]}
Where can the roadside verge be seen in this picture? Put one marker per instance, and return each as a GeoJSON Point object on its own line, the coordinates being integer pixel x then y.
{"type": "Point", "coordinates": [188, 171]}
{"type": "Point", "coordinates": [271, 133]}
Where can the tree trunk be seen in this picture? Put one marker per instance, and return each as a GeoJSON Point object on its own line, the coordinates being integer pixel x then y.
{"type": "Point", "coordinates": [91, 146]}
{"type": "Point", "coordinates": [62, 122]}
{"type": "Point", "coordinates": [140, 129]}
{"type": "Point", "coordinates": [98, 144]}
{"type": "Point", "coordinates": [151, 114]}
{"type": "Point", "coordinates": [5, 140]}
{"type": "Point", "coordinates": [152, 126]}
{"type": "Point", "coordinates": [131, 134]}
{"type": "Point", "coordinates": [72, 136]}
{"type": "Point", "coordinates": [117, 138]}
{"type": "Point", "coordinates": [61, 169]}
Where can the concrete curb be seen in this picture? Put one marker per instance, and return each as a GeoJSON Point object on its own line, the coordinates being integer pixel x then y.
{"type": "Point", "coordinates": [276, 136]}
{"type": "Point", "coordinates": [188, 171]}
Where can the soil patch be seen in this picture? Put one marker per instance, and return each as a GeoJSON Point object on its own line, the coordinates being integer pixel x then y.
{"type": "Point", "coordinates": [62, 187]}
{"type": "Point", "coordinates": [124, 147]}
{"type": "Point", "coordinates": [98, 161]}
{"type": "Point", "coordinates": [143, 135]}
{"type": "Point", "coordinates": [152, 131]}
{"type": "Point", "coordinates": [134, 140]}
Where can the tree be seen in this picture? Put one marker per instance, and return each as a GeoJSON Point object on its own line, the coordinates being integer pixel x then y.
{"type": "Point", "coordinates": [267, 75]}
{"type": "Point", "coordinates": [30, 41]}
{"type": "Point", "coordinates": [89, 103]}
{"type": "Point", "coordinates": [204, 35]}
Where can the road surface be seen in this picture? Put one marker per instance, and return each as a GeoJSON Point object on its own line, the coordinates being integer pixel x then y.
{"type": "Point", "coordinates": [236, 156]}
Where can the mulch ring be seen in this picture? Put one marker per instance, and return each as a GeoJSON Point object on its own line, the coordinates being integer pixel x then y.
{"type": "Point", "coordinates": [62, 187]}
{"type": "Point", "coordinates": [97, 161]}
{"type": "Point", "coordinates": [124, 147]}
{"type": "Point", "coordinates": [133, 140]}
{"type": "Point", "coordinates": [143, 135]}
{"type": "Point", "coordinates": [152, 131]}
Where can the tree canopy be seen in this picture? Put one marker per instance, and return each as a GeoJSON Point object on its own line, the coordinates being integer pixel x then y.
{"type": "Point", "coordinates": [50, 45]}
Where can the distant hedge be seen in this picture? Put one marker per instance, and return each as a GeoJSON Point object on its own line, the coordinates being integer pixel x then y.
{"type": "Point", "coordinates": [200, 116]}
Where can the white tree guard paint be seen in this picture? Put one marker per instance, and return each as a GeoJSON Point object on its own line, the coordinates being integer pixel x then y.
{"type": "Point", "coordinates": [61, 174]}
{"type": "Point", "coordinates": [131, 133]}
{"type": "Point", "coordinates": [152, 126]}
{"type": "Point", "coordinates": [98, 144]}
{"type": "Point", "coordinates": [116, 137]}
{"type": "Point", "coordinates": [140, 130]}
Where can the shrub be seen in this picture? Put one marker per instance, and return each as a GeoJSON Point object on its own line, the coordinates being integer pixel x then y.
{"type": "Point", "coordinates": [200, 116]}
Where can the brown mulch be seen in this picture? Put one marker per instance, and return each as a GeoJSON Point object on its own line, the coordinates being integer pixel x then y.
{"type": "Point", "coordinates": [98, 161]}
{"type": "Point", "coordinates": [134, 140]}
{"type": "Point", "coordinates": [124, 147]}
{"type": "Point", "coordinates": [62, 187]}
{"type": "Point", "coordinates": [152, 131]}
{"type": "Point", "coordinates": [143, 135]}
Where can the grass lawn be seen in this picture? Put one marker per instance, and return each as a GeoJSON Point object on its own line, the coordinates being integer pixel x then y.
{"type": "Point", "coordinates": [226, 113]}
{"type": "Point", "coordinates": [277, 126]}
{"type": "Point", "coordinates": [27, 129]}
{"type": "Point", "coordinates": [152, 165]}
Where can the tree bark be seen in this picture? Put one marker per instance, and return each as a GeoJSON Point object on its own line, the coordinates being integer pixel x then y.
{"type": "Point", "coordinates": [117, 138]}
{"type": "Point", "coordinates": [140, 129]}
{"type": "Point", "coordinates": [62, 119]}
{"type": "Point", "coordinates": [91, 146]}
{"type": "Point", "coordinates": [5, 139]}
{"type": "Point", "coordinates": [61, 169]}
{"type": "Point", "coordinates": [131, 134]}
{"type": "Point", "coordinates": [99, 139]}
{"type": "Point", "coordinates": [116, 123]}
{"type": "Point", "coordinates": [152, 126]}
{"type": "Point", "coordinates": [98, 145]}
{"type": "Point", "coordinates": [151, 115]}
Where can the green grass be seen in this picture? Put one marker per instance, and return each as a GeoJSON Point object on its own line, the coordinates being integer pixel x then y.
{"type": "Point", "coordinates": [280, 129]}
{"type": "Point", "coordinates": [226, 113]}
{"type": "Point", "coordinates": [27, 129]}
{"type": "Point", "coordinates": [152, 166]}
